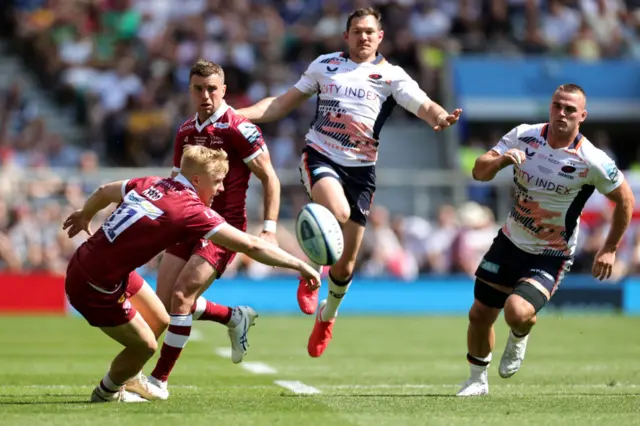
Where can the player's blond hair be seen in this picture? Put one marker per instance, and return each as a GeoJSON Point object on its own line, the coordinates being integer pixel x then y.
{"type": "Point", "coordinates": [197, 159]}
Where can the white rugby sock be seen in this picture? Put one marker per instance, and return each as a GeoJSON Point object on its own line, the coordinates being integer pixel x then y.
{"type": "Point", "coordinates": [478, 367]}
{"type": "Point", "coordinates": [337, 290]}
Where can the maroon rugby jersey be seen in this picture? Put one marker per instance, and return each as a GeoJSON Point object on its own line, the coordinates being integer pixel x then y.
{"type": "Point", "coordinates": [241, 140]}
{"type": "Point", "coordinates": [156, 213]}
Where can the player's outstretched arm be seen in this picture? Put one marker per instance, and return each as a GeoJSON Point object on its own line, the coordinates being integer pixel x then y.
{"type": "Point", "coordinates": [274, 108]}
{"type": "Point", "coordinates": [490, 163]}
{"type": "Point", "coordinates": [436, 116]}
{"type": "Point", "coordinates": [262, 168]}
{"type": "Point", "coordinates": [263, 252]}
{"type": "Point", "coordinates": [100, 199]}
{"type": "Point", "coordinates": [605, 259]}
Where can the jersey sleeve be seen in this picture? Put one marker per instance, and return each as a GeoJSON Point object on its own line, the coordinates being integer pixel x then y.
{"type": "Point", "coordinates": [131, 184]}
{"type": "Point", "coordinates": [178, 146]}
{"type": "Point", "coordinates": [247, 140]}
{"type": "Point", "coordinates": [507, 142]}
{"type": "Point", "coordinates": [201, 222]}
{"type": "Point", "coordinates": [406, 92]}
{"type": "Point", "coordinates": [308, 83]}
{"type": "Point", "coordinates": [604, 173]}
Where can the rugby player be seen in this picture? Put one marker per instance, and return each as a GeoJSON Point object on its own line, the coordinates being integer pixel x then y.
{"type": "Point", "coordinates": [357, 90]}
{"type": "Point", "coordinates": [153, 214]}
{"type": "Point", "coordinates": [189, 268]}
{"type": "Point", "coordinates": [555, 170]}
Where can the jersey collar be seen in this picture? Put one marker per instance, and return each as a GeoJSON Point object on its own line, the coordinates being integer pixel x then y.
{"type": "Point", "coordinates": [377, 60]}
{"type": "Point", "coordinates": [180, 178]}
{"type": "Point", "coordinates": [215, 117]}
{"type": "Point", "coordinates": [574, 145]}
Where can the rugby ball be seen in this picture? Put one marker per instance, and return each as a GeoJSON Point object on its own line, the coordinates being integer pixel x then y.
{"type": "Point", "coordinates": [319, 234]}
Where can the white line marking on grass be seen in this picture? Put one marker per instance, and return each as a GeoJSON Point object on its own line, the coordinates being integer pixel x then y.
{"type": "Point", "coordinates": [297, 387]}
{"type": "Point", "coordinates": [223, 352]}
{"type": "Point", "coordinates": [252, 367]}
{"type": "Point", "coordinates": [258, 368]}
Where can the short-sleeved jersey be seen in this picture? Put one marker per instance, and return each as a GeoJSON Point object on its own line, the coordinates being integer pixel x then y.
{"type": "Point", "coordinates": [155, 214]}
{"type": "Point", "coordinates": [241, 140]}
{"type": "Point", "coordinates": [354, 101]}
{"type": "Point", "coordinates": [552, 187]}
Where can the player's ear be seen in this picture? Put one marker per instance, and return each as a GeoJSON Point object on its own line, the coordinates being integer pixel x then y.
{"type": "Point", "coordinates": [224, 89]}
{"type": "Point", "coordinates": [345, 35]}
{"type": "Point", "coordinates": [584, 116]}
{"type": "Point", "coordinates": [380, 35]}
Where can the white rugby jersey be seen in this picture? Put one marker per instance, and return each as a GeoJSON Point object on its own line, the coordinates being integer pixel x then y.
{"type": "Point", "coordinates": [354, 101]}
{"type": "Point", "coordinates": [552, 187]}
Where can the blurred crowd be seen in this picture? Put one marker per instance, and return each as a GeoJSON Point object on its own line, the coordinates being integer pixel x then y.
{"type": "Point", "coordinates": [124, 64]}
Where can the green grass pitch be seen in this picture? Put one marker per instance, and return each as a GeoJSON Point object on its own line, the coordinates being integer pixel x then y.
{"type": "Point", "coordinates": [579, 370]}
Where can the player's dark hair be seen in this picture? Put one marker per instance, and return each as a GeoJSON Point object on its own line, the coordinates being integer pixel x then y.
{"type": "Point", "coordinates": [361, 13]}
{"type": "Point", "coordinates": [571, 88]}
{"type": "Point", "coordinates": [204, 68]}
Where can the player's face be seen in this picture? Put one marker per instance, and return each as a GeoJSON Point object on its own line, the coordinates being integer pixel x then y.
{"type": "Point", "coordinates": [567, 112]}
{"type": "Point", "coordinates": [364, 37]}
{"type": "Point", "coordinates": [207, 94]}
{"type": "Point", "coordinates": [208, 186]}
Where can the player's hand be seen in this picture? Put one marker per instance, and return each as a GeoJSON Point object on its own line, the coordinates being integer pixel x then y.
{"type": "Point", "coordinates": [76, 222]}
{"type": "Point", "coordinates": [310, 275]}
{"type": "Point", "coordinates": [269, 237]}
{"type": "Point", "coordinates": [603, 264]}
{"type": "Point", "coordinates": [449, 120]}
{"type": "Point", "coordinates": [515, 156]}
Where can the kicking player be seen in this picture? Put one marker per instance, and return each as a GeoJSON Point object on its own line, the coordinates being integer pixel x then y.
{"type": "Point", "coordinates": [153, 214]}
{"type": "Point", "coordinates": [357, 91]}
{"type": "Point", "coordinates": [555, 170]}
{"type": "Point", "coordinates": [188, 269]}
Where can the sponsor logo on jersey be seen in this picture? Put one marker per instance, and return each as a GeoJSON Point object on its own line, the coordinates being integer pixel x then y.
{"type": "Point", "coordinates": [220, 125]}
{"type": "Point", "coordinates": [200, 140]}
{"type": "Point", "coordinates": [215, 139]}
{"type": "Point", "coordinates": [489, 266]}
{"type": "Point", "coordinates": [375, 76]}
{"type": "Point", "coordinates": [331, 70]}
{"type": "Point", "coordinates": [529, 154]}
{"type": "Point", "coordinates": [249, 131]}
{"type": "Point", "coordinates": [612, 172]}
{"type": "Point", "coordinates": [188, 127]}
{"type": "Point", "coordinates": [334, 61]}
{"type": "Point", "coordinates": [568, 169]}
{"type": "Point", "coordinates": [548, 158]}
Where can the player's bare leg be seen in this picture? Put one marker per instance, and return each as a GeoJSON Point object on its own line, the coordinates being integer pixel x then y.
{"type": "Point", "coordinates": [155, 315]}
{"type": "Point", "coordinates": [195, 278]}
{"type": "Point", "coordinates": [203, 310]}
{"type": "Point", "coordinates": [329, 193]}
{"type": "Point", "coordinates": [140, 344]}
{"type": "Point", "coordinates": [480, 342]}
{"type": "Point", "coordinates": [168, 272]}
{"type": "Point", "coordinates": [520, 314]}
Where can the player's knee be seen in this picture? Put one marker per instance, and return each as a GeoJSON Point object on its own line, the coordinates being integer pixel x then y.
{"type": "Point", "coordinates": [343, 270]}
{"type": "Point", "coordinates": [163, 323]}
{"type": "Point", "coordinates": [481, 315]}
{"type": "Point", "coordinates": [146, 347]}
{"type": "Point", "coordinates": [519, 311]}
{"type": "Point", "coordinates": [342, 213]}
